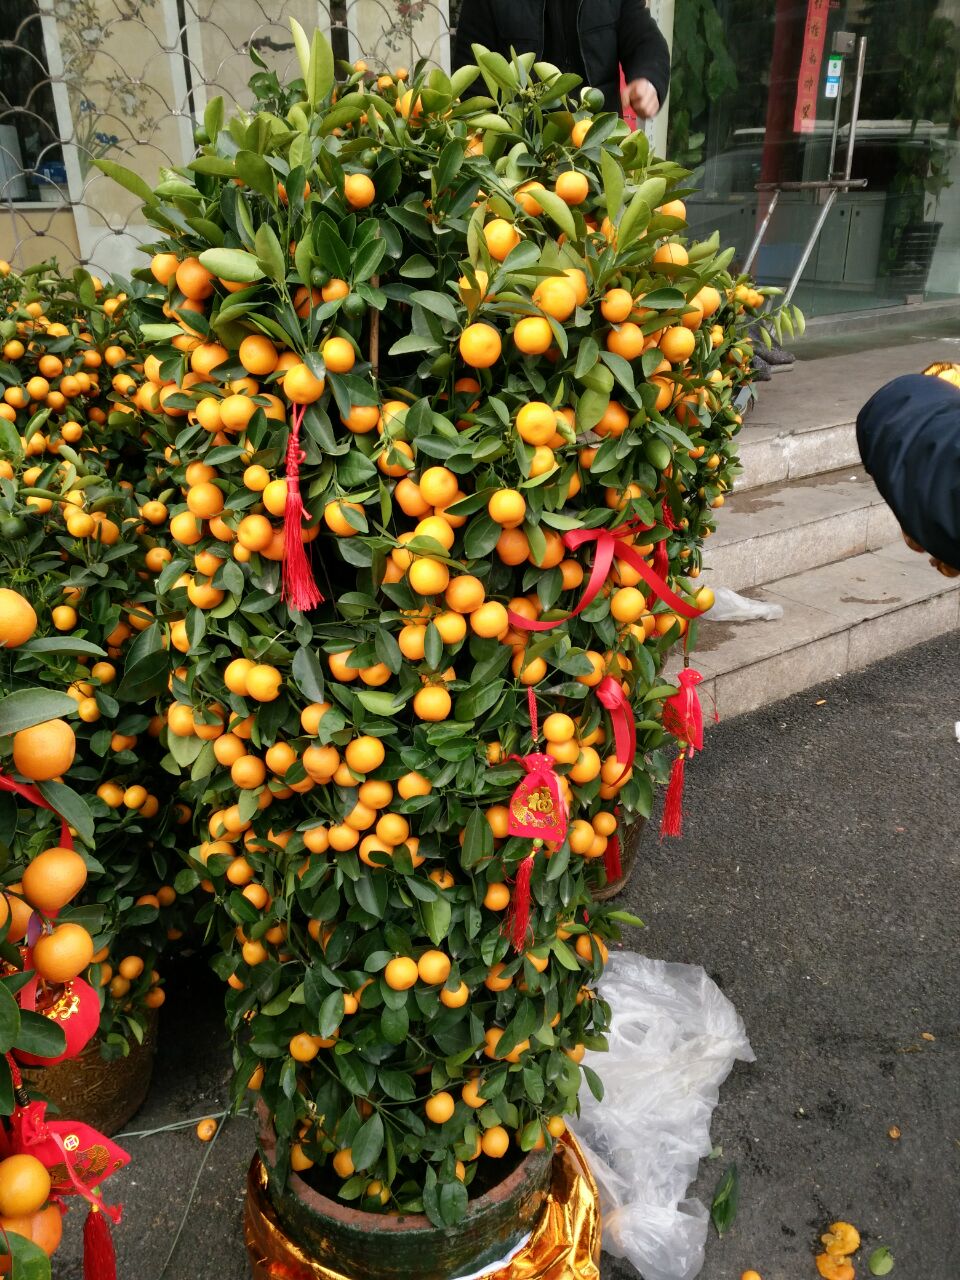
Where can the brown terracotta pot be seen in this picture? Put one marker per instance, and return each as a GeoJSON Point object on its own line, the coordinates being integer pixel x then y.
{"type": "Point", "coordinates": [100, 1093]}
{"type": "Point", "coordinates": [373, 1246]}
{"type": "Point", "coordinates": [630, 839]}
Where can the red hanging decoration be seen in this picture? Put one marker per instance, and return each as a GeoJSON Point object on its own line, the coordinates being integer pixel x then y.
{"type": "Point", "coordinates": [517, 924]}
{"type": "Point", "coordinates": [611, 544]}
{"type": "Point", "coordinates": [99, 1258]}
{"type": "Point", "coordinates": [299, 589]}
{"type": "Point", "coordinates": [537, 810]}
{"type": "Point", "coordinates": [611, 859]}
{"type": "Point", "coordinates": [610, 694]}
{"type": "Point", "coordinates": [683, 718]}
{"type": "Point", "coordinates": [671, 824]}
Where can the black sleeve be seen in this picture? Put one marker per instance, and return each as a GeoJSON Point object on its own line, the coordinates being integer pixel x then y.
{"type": "Point", "coordinates": [476, 26]}
{"type": "Point", "coordinates": [643, 50]}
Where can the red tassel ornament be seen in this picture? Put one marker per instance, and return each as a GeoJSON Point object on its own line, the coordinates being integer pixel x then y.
{"type": "Point", "coordinates": [682, 717]}
{"type": "Point", "coordinates": [672, 822]}
{"type": "Point", "coordinates": [611, 859]}
{"type": "Point", "coordinates": [517, 924]}
{"type": "Point", "coordinates": [99, 1258]}
{"type": "Point", "coordinates": [299, 589]}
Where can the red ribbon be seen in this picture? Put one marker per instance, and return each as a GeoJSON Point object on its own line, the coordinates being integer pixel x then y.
{"type": "Point", "coordinates": [611, 696]}
{"type": "Point", "coordinates": [33, 795]}
{"type": "Point", "coordinates": [611, 545]}
{"type": "Point", "coordinates": [299, 588]}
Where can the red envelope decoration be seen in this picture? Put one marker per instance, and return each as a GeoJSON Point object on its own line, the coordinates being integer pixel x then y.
{"type": "Point", "coordinates": [74, 1153]}
{"type": "Point", "coordinates": [537, 810]}
{"type": "Point", "coordinates": [76, 1009]}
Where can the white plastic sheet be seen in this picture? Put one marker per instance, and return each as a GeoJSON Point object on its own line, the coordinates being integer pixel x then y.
{"type": "Point", "coordinates": [730, 607]}
{"type": "Point", "coordinates": [674, 1039]}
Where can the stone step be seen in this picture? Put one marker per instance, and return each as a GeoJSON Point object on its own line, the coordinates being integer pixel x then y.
{"type": "Point", "coordinates": [764, 534]}
{"type": "Point", "coordinates": [774, 455]}
{"type": "Point", "coordinates": [837, 618]}
{"type": "Point", "coordinates": [803, 421]}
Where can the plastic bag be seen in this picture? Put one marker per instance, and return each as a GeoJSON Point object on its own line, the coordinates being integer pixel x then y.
{"type": "Point", "coordinates": [674, 1039]}
{"type": "Point", "coordinates": [729, 607]}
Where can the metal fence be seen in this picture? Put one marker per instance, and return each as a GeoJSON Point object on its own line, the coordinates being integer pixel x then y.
{"type": "Point", "coordinates": [126, 79]}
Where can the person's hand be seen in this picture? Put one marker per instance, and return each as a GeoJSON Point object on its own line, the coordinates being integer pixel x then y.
{"type": "Point", "coordinates": [642, 98]}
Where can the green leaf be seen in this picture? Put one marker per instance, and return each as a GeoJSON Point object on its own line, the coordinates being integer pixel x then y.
{"type": "Point", "coordinates": [452, 1202]}
{"type": "Point", "coordinates": [7, 1100]}
{"type": "Point", "coordinates": [159, 332]}
{"type": "Point", "coordinates": [257, 174]}
{"type": "Point", "coordinates": [302, 46]}
{"type": "Point", "coordinates": [613, 183]}
{"type": "Point", "coordinates": [215, 165]}
{"type": "Point", "coordinates": [62, 644]}
{"type": "Point", "coordinates": [664, 300]}
{"type": "Point", "coordinates": [372, 892]}
{"type": "Point", "coordinates": [594, 1082]}
{"type": "Point", "coordinates": [397, 1085]}
{"type": "Point", "coordinates": [634, 220]}
{"type": "Point", "coordinates": [29, 1260]}
{"type": "Point", "coordinates": [559, 211]}
{"type": "Point", "coordinates": [40, 1036]}
{"type": "Point", "coordinates": [269, 252]}
{"type": "Point", "coordinates": [880, 1261]}
{"type": "Point", "coordinates": [432, 646]}
{"type": "Point", "coordinates": [308, 673]}
{"type": "Point", "coordinates": [418, 268]}
{"type": "Point", "coordinates": [213, 118]}
{"type": "Point", "coordinates": [587, 357]}
{"type": "Point", "coordinates": [726, 1199]}
{"type": "Point", "coordinates": [71, 807]}
{"type": "Point", "coordinates": [232, 264]}
{"type": "Point", "coordinates": [319, 76]}
{"type": "Point", "coordinates": [147, 667]}
{"type": "Point", "coordinates": [10, 442]}
{"type": "Point", "coordinates": [477, 840]}
{"type": "Point", "coordinates": [331, 1013]}
{"type": "Point", "coordinates": [9, 1019]}
{"type": "Point", "coordinates": [436, 919]}
{"type": "Point", "coordinates": [368, 1143]}
{"type": "Point", "coordinates": [28, 707]}
{"type": "Point", "coordinates": [440, 304]}
{"type": "Point", "coordinates": [128, 179]}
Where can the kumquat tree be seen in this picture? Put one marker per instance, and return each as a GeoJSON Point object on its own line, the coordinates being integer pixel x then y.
{"type": "Point", "coordinates": [443, 400]}
{"type": "Point", "coordinates": [82, 651]}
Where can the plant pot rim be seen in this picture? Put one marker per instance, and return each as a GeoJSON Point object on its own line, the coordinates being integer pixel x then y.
{"type": "Point", "coordinates": [384, 1223]}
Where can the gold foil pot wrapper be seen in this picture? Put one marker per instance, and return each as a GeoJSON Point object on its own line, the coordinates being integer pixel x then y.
{"type": "Point", "coordinates": [945, 370]}
{"type": "Point", "coordinates": [564, 1245]}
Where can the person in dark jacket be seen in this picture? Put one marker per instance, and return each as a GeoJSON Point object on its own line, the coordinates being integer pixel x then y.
{"type": "Point", "coordinates": [909, 440]}
{"type": "Point", "coordinates": [592, 38]}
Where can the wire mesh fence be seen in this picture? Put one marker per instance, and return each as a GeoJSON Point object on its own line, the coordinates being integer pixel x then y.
{"type": "Point", "coordinates": [128, 79]}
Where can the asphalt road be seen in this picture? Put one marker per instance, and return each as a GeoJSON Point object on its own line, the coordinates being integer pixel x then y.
{"type": "Point", "coordinates": [817, 883]}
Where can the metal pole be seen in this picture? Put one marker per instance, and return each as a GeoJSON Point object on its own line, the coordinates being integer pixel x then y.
{"type": "Point", "coordinates": [808, 249]}
{"type": "Point", "coordinates": [836, 126]}
{"type": "Point", "coordinates": [761, 231]}
{"type": "Point", "coordinates": [855, 109]}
